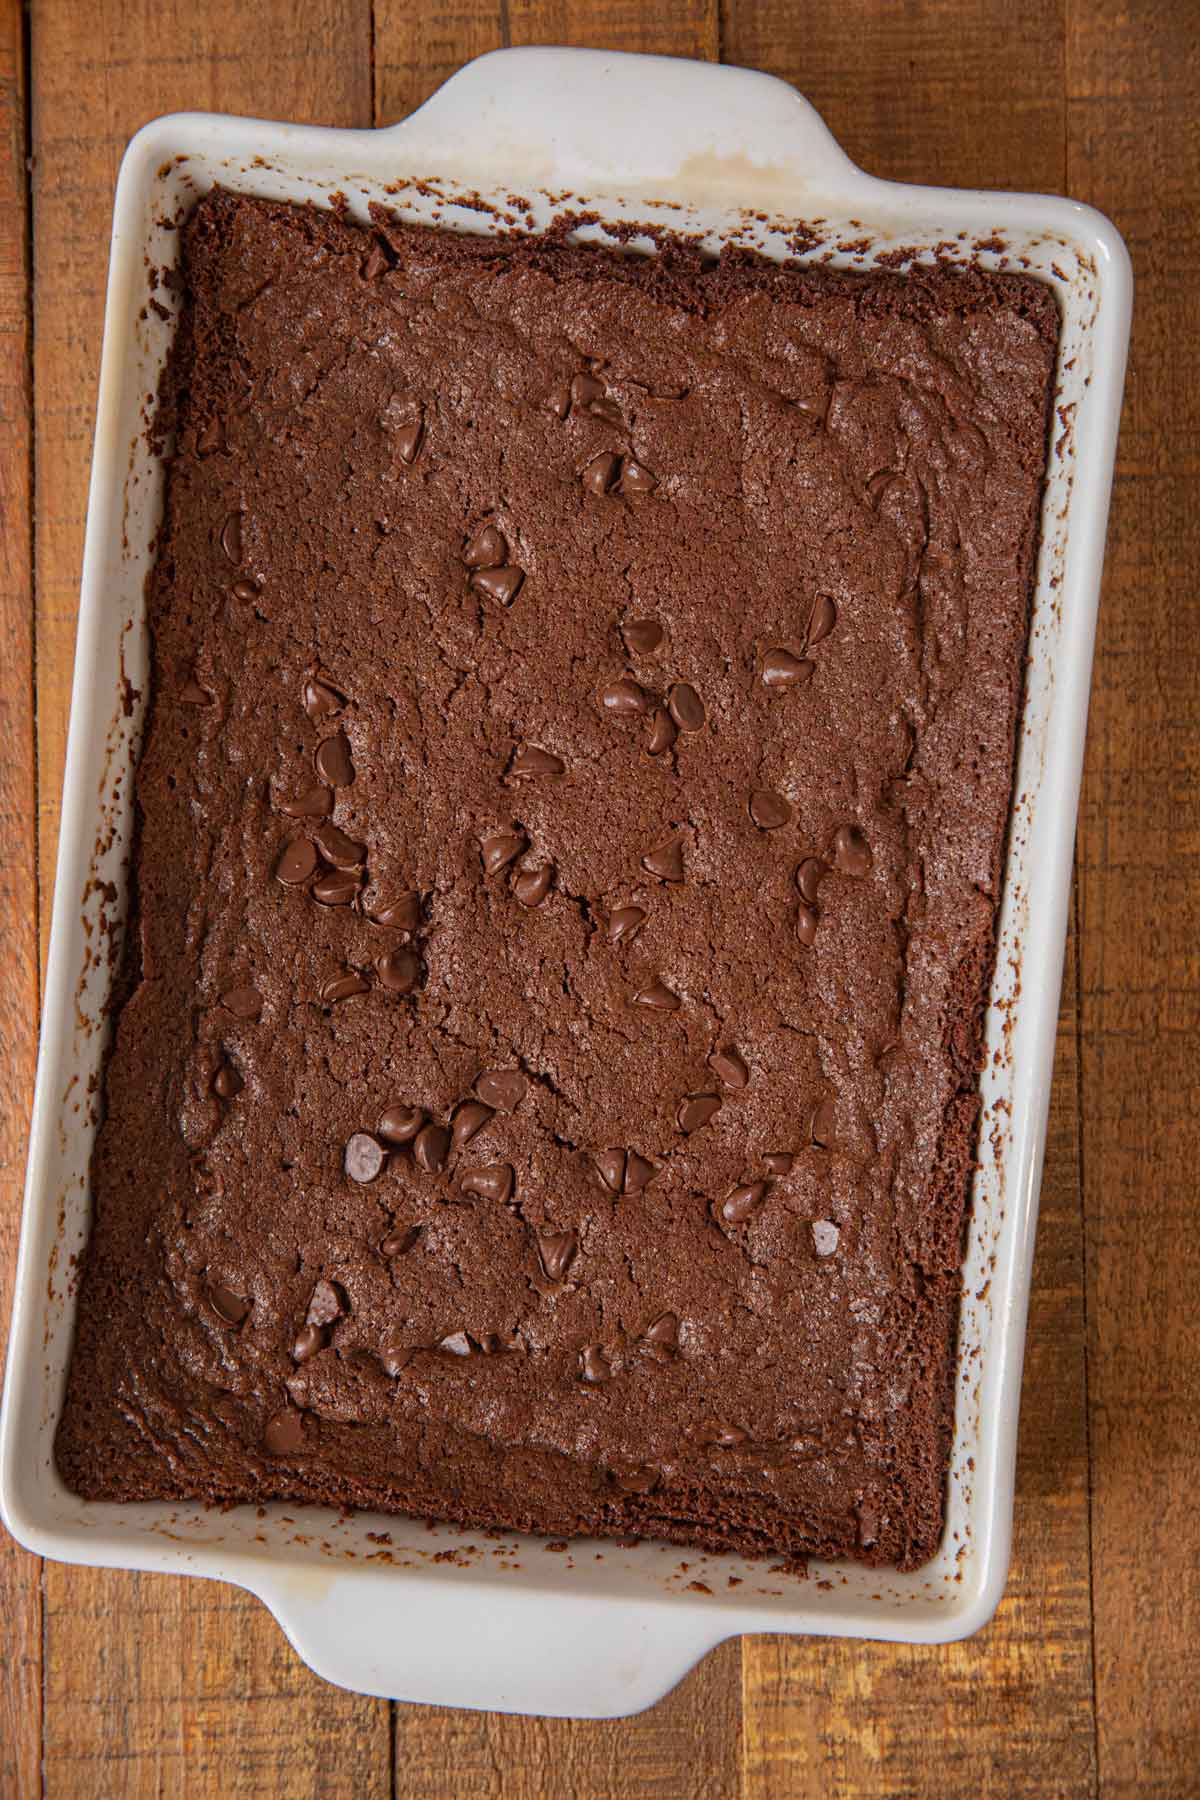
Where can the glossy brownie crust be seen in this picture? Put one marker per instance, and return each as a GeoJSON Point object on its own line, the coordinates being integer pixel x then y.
{"type": "Point", "coordinates": [571, 823]}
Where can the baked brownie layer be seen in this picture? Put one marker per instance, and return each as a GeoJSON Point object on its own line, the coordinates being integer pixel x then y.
{"type": "Point", "coordinates": [570, 829]}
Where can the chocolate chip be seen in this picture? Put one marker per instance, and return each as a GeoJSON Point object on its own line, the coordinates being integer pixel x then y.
{"type": "Point", "coordinates": [769, 810]}
{"type": "Point", "coordinates": [601, 472]}
{"type": "Point", "coordinates": [502, 585]}
{"type": "Point", "coordinates": [559, 400]}
{"type": "Point", "coordinates": [486, 550]}
{"type": "Point", "coordinates": [245, 590]}
{"type": "Point", "coordinates": [400, 1124]}
{"type": "Point", "coordinates": [401, 912]}
{"type": "Point", "coordinates": [531, 886]}
{"type": "Point", "coordinates": [729, 1066]}
{"type": "Point", "coordinates": [326, 1303]}
{"type": "Point", "coordinates": [321, 700]}
{"type": "Point", "coordinates": [695, 1110]}
{"type": "Point", "coordinates": [297, 862]}
{"type": "Point", "coordinates": [338, 849]}
{"type": "Point", "coordinates": [557, 1250]}
{"type": "Point", "coordinates": [192, 694]}
{"type": "Point", "coordinates": [492, 1183]}
{"type": "Point", "coordinates": [623, 699]}
{"type": "Point", "coordinates": [344, 987]}
{"type": "Point", "coordinates": [722, 1437]}
{"type": "Point", "coordinates": [851, 851]}
{"type": "Point", "coordinates": [611, 1164]}
{"type": "Point", "coordinates": [781, 669]}
{"type": "Point", "coordinates": [313, 803]}
{"type": "Point", "coordinates": [623, 923]}
{"type": "Point", "coordinates": [823, 1129]}
{"type": "Point", "coordinates": [499, 850]}
{"type": "Point", "coordinates": [399, 1243]}
{"type": "Point", "coordinates": [501, 1089]}
{"type": "Point", "coordinates": [825, 1237]}
{"type": "Point", "coordinates": [594, 1364]}
{"type": "Point", "coordinates": [641, 1479]}
{"type": "Point", "coordinates": [779, 1162]}
{"type": "Point", "coordinates": [529, 759]}
{"type": "Point", "coordinates": [431, 1148]}
{"type": "Point", "coordinates": [310, 1339]}
{"type": "Point", "coordinates": [643, 637]}
{"type": "Point", "coordinates": [807, 920]}
{"type": "Point", "coordinates": [686, 706]}
{"type": "Point", "coordinates": [364, 1157]}
{"type": "Point", "coordinates": [395, 1358]}
{"type": "Point", "coordinates": [639, 1173]}
{"type": "Point", "coordinates": [243, 1002]}
{"type": "Point", "coordinates": [408, 441]}
{"type": "Point", "coordinates": [663, 733]}
{"type": "Point", "coordinates": [743, 1202]}
{"type": "Point", "coordinates": [227, 1084]}
{"type": "Point", "coordinates": [469, 1119]}
{"type": "Point", "coordinates": [337, 888]}
{"type": "Point", "coordinates": [232, 1309]}
{"type": "Point", "coordinates": [399, 970]}
{"type": "Point", "coordinates": [658, 997]}
{"type": "Point", "coordinates": [663, 1335]}
{"type": "Point", "coordinates": [455, 1343]}
{"type": "Point", "coordinates": [231, 538]}
{"type": "Point", "coordinates": [585, 389]}
{"type": "Point", "coordinates": [333, 761]}
{"type": "Point", "coordinates": [636, 477]}
{"type": "Point", "coordinates": [824, 618]}
{"type": "Point", "coordinates": [284, 1434]}
{"type": "Point", "coordinates": [665, 860]}
{"type": "Point", "coordinates": [809, 877]}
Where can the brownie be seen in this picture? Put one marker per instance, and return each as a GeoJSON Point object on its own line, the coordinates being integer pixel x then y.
{"type": "Point", "coordinates": [571, 822]}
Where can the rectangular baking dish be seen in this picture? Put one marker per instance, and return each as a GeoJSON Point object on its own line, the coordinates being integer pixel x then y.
{"type": "Point", "coordinates": [391, 1606]}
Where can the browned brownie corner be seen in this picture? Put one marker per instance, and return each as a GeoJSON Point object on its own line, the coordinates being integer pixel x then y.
{"type": "Point", "coordinates": [571, 823]}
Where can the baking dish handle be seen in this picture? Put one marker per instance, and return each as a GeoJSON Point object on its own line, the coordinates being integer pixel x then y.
{"type": "Point", "coordinates": [599, 117]}
{"type": "Point", "coordinates": [506, 1649]}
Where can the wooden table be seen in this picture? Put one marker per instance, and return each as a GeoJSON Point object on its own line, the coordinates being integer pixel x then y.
{"type": "Point", "coordinates": [1088, 1681]}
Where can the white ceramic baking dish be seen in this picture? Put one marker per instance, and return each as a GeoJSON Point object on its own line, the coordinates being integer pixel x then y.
{"type": "Point", "coordinates": [597, 1630]}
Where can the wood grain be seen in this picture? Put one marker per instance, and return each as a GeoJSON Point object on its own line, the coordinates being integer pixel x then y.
{"type": "Point", "coordinates": [156, 1685]}
{"type": "Point", "coordinates": [20, 1574]}
{"type": "Point", "coordinates": [1133, 148]}
{"type": "Point", "coordinates": [964, 92]}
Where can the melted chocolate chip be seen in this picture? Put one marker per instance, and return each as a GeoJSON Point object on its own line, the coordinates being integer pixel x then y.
{"type": "Point", "coordinates": [623, 923]}
{"type": "Point", "coordinates": [486, 550]}
{"type": "Point", "coordinates": [686, 706]}
{"type": "Point", "coordinates": [558, 400]}
{"type": "Point", "coordinates": [232, 1309]}
{"type": "Point", "coordinates": [729, 1066]}
{"type": "Point", "coordinates": [636, 478]}
{"type": "Point", "coordinates": [231, 538]}
{"type": "Point", "coordinates": [399, 1124]}
{"type": "Point", "coordinates": [809, 876]}
{"type": "Point", "coordinates": [245, 590]}
{"type": "Point", "coordinates": [501, 1089]}
{"type": "Point", "coordinates": [431, 1147]}
{"type": "Point", "coordinates": [399, 970]}
{"type": "Point", "coordinates": [502, 585]}
{"type": "Point", "coordinates": [499, 850]}
{"type": "Point", "coordinates": [639, 1173]}
{"type": "Point", "coordinates": [585, 389]}
{"type": "Point", "coordinates": [824, 618]}
{"type": "Point", "coordinates": [623, 699]}
{"type": "Point", "coordinates": [657, 997]}
{"type": "Point", "coordinates": [530, 760]}
{"type": "Point", "coordinates": [611, 1165]}
{"type": "Point", "coordinates": [594, 1364]}
{"type": "Point", "coordinates": [313, 803]}
{"type": "Point", "coordinates": [395, 1358]}
{"type": "Point", "coordinates": [409, 439]}
{"type": "Point", "coordinates": [643, 637]}
{"type": "Point", "coordinates": [492, 1183]}
{"type": "Point", "coordinates": [337, 887]}
{"type": "Point", "coordinates": [400, 1242]}
{"type": "Point", "coordinates": [364, 1157]}
{"type": "Point", "coordinates": [340, 851]}
{"type": "Point", "coordinates": [600, 473]}
{"type": "Point", "coordinates": [743, 1202]}
{"type": "Point", "coordinates": [663, 733]}
{"type": "Point", "coordinates": [641, 1478]}
{"type": "Point", "coordinates": [469, 1119]}
{"type": "Point", "coordinates": [243, 1002]}
{"type": "Point", "coordinates": [851, 851]}
{"type": "Point", "coordinates": [321, 699]}
{"type": "Point", "coordinates": [557, 1250]}
{"type": "Point", "coordinates": [807, 920]}
{"type": "Point", "coordinates": [344, 987]}
{"type": "Point", "coordinates": [779, 1162]}
{"type": "Point", "coordinates": [769, 810]}
{"type": "Point", "coordinates": [284, 1434]}
{"type": "Point", "coordinates": [297, 863]}
{"type": "Point", "coordinates": [665, 860]}
{"type": "Point", "coordinates": [695, 1110]}
{"type": "Point", "coordinates": [227, 1084]}
{"type": "Point", "coordinates": [333, 761]}
{"type": "Point", "coordinates": [663, 1335]}
{"type": "Point", "coordinates": [310, 1339]}
{"type": "Point", "coordinates": [531, 886]}
{"type": "Point", "coordinates": [781, 668]}
{"type": "Point", "coordinates": [400, 912]}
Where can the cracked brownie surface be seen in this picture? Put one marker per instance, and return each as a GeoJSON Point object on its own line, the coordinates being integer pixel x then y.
{"type": "Point", "coordinates": [571, 819]}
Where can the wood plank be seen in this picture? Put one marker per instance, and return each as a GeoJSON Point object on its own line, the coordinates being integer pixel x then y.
{"type": "Point", "coordinates": [1133, 149]}
{"type": "Point", "coordinates": [961, 92]}
{"type": "Point", "coordinates": [155, 1685]}
{"type": "Point", "coordinates": [688, 1745]}
{"type": "Point", "coordinates": [20, 1573]}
